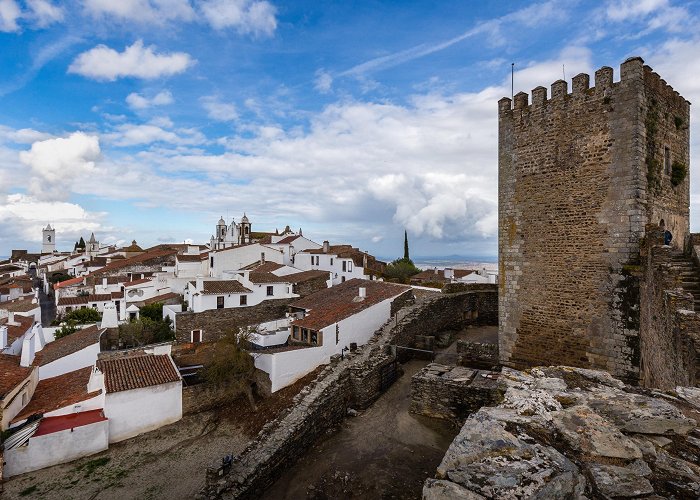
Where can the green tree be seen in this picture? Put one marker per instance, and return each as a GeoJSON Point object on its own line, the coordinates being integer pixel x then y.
{"type": "Point", "coordinates": [144, 331]}
{"type": "Point", "coordinates": [400, 271]}
{"type": "Point", "coordinates": [405, 246]}
{"type": "Point", "coordinates": [231, 367]}
{"type": "Point", "coordinates": [152, 311]}
{"type": "Point", "coordinates": [83, 316]}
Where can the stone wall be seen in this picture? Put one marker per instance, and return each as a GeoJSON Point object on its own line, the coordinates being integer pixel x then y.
{"type": "Point", "coordinates": [669, 325]}
{"type": "Point", "coordinates": [453, 392]}
{"type": "Point", "coordinates": [477, 355]}
{"type": "Point", "coordinates": [580, 175]}
{"type": "Point", "coordinates": [203, 397]}
{"type": "Point", "coordinates": [217, 322]}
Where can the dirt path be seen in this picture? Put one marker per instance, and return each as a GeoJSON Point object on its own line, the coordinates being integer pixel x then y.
{"type": "Point", "coordinates": [384, 452]}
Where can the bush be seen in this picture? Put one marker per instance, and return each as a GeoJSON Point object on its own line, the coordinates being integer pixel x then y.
{"type": "Point", "coordinates": [83, 316]}
{"type": "Point", "coordinates": [678, 173]}
{"type": "Point", "coordinates": [144, 331]}
{"type": "Point", "coordinates": [400, 271]}
{"type": "Point", "coordinates": [231, 367]}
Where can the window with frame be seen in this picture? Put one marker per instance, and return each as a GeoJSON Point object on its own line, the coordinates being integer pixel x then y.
{"type": "Point", "coordinates": [295, 332]}
{"type": "Point", "coordinates": [211, 262]}
{"type": "Point", "coordinates": [337, 334]}
{"type": "Point", "coordinates": [304, 335]}
{"type": "Point", "coordinates": [220, 302]}
{"type": "Point", "coordinates": [244, 300]}
{"type": "Point", "coordinates": [349, 266]}
{"type": "Point", "coordinates": [314, 338]}
{"type": "Point", "coordinates": [331, 261]}
{"type": "Point", "coordinates": [345, 266]}
{"type": "Point", "coordinates": [270, 291]}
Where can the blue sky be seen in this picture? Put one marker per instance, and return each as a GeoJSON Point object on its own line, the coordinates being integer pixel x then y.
{"type": "Point", "coordinates": [149, 119]}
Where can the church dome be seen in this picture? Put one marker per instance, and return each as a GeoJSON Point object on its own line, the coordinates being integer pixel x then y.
{"type": "Point", "coordinates": [222, 222]}
{"type": "Point", "coordinates": [245, 219]}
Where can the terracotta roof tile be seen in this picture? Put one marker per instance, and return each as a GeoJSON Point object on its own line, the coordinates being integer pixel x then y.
{"type": "Point", "coordinates": [224, 286]}
{"type": "Point", "coordinates": [84, 299]}
{"type": "Point", "coordinates": [72, 281]}
{"type": "Point", "coordinates": [134, 372]}
{"type": "Point", "coordinates": [19, 305]}
{"type": "Point", "coordinates": [306, 275]}
{"type": "Point", "coordinates": [192, 258]}
{"type": "Point", "coordinates": [137, 282]}
{"type": "Point", "coordinates": [162, 298]}
{"type": "Point", "coordinates": [287, 240]}
{"type": "Point", "coordinates": [69, 344]}
{"type": "Point", "coordinates": [11, 373]}
{"type": "Point", "coordinates": [58, 392]}
{"type": "Point", "coordinates": [258, 277]}
{"type": "Point", "coordinates": [15, 331]}
{"type": "Point", "coordinates": [329, 306]}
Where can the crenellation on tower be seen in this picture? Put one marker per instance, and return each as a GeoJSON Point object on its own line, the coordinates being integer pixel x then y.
{"type": "Point", "coordinates": [580, 83]}
{"type": "Point", "coordinates": [603, 79]}
{"type": "Point", "coordinates": [559, 89]}
{"type": "Point", "coordinates": [520, 100]}
{"type": "Point", "coordinates": [539, 96]}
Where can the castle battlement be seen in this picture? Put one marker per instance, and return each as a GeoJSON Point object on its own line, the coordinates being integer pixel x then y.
{"type": "Point", "coordinates": [632, 72]}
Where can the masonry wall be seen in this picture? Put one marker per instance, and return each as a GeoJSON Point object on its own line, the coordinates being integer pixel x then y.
{"type": "Point", "coordinates": [670, 327]}
{"type": "Point", "coordinates": [575, 193]}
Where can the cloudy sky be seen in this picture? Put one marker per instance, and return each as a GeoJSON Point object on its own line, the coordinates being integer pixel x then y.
{"type": "Point", "coordinates": [149, 119]}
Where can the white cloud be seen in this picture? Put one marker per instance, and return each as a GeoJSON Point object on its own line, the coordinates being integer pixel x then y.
{"type": "Point", "coordinates": [245, 16]}
{"type": "Point", "coordinates": [56, 163]}
{"type": "Point", "coordinates": [22, 217]}
{"type": "Point", "coordinates": [44, 13]}
{"type": "Point", "coordinates": [625, 9]}
{"type": "Point", "coordinates": [137, 101]}
{"type": "Point", "coordinates": [142, 11]}
{"type": "Point", "coordinates": [137, 61]}
{"type": "Point", "coordinates": [218, 110]}
{"type": "Point", "coordinates": [323, 82]}
{"type": "Point", "coordinates": [572, 60]}
{"type": "Point", "coordinates": [129, 134]}
{"type": "Point", "coordinates": [22, 136]}
{"type": "Point", "coordinates": [9, 14]}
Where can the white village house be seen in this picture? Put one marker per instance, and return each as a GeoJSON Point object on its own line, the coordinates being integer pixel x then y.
{"type": "Point", "coordinates": [323, 324]}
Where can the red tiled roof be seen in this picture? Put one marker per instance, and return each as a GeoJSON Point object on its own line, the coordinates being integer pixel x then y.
{"type": "Point", "coordinates": [461, 273]}
{"type": "Point", "coordinates": [430, 275]}
{"type": "Point", "coordinates": [162, 298]}
{"type": "Point", "coordinates": [258, 277]}
{"type": "Point", "coordinates": [11, 373]}
{"type": "Point", "coordinates": [287, 240]}
{"type": "Point", "coordinates": [84, 299]}
{"type": "Point", "coordinates": [134, 372]}
{"type": "Point", "coordinates": [137, 282]}
{"type": "Point", "coordinates": [268, 267]}
{"type": "Point", "coordinates": [191, 258]}
{"type": "Point", "coordinates": [334, 304]}
{"type": "Point", "coordinates": [58, 392]}
{"type": "Point", "coordinates": [69, 344]}
{"type": "Point", "coordinates": [305, 276]}
{"type": "Point", "coordinates": [49, 425]}
{"type": "Point", "coordinates": [224, 286]}
{"type": "Point", "coordinates": [150, 254]}
{"type": "Point", "coordinates": [116, 295]}
{"type": "Point", "coordinates": [19, 305]}
{"type": "Point", "coordinates": [72, 281]}
{"type": "Point", "coordinates": [16, 331]}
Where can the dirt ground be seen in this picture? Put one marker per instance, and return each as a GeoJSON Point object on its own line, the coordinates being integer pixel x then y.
{"type": "Point", "coordinates": [384, 452]}
{"type": "Point", "coordinates": [166, 463]}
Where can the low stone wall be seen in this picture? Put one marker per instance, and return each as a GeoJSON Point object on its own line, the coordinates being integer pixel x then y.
{"type": "Point", "coordinates": [453, 392]}
{"type": "Point", "coordinates": [478, 355]}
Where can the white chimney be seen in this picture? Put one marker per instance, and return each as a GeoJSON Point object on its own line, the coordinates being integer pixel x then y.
{"type": "Point", "coordinates": [96, 382]}
{"type": "Point", "coordinates": [200, 283]}
{"type": "Point", "coordinates": [362, 292]}
{"type": "Point", "coordinates": [326, 246]}
{"type": "Point", "coordinates": [449, 273]}
{"type": "Point", "coordinates": [3, 337]}
{"type": "Point", "coordinates": [109, 317]}
{"type": "Point", "coordinates": [104, 281]}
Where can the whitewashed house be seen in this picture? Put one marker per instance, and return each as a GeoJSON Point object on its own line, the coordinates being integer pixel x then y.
{"type": "Point", "coordinates": [143, 393]}
{"type": "Point", "coordinates": [343, 262]}
{"type": "Point", "coordinates": [326, 323]}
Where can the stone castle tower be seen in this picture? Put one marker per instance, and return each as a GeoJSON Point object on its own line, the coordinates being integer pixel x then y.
{"type": "Point", "coordinates": [581, 174]}
{"type": "Point", "coordinates": [48, 239]}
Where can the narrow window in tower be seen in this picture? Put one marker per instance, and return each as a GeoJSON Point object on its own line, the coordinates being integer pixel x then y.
{"type": "Point", "coordinates": [667, 161]}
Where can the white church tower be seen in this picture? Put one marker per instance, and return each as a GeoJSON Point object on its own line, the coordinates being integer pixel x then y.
{"type": "Point", "coordinates": [93, 246]}
{"type": "Point", "coordinates": [48, 241]}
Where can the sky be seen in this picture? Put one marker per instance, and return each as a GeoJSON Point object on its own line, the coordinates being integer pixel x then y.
{"type": "Point", "coordinates": [147, 120]}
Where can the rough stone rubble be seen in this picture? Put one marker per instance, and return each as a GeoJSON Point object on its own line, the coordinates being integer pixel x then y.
{"type": "Point", "coordinates": [564, 432]}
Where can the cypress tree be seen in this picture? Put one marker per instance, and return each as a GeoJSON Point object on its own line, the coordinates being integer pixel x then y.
{"type": "Point", "coordinates": [405, 246]}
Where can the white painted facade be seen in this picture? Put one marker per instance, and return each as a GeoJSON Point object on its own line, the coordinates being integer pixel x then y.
{"type": "Point", "coordinates": [74, 361]}
{"type": "Point", "coordinates": [57, 448]}
{"type": "Point", "coordinates": [18, 398]}
{"type": "Point", "coordinates": [341, 269]}
{"type": "Point", "coordinates": [258, 292]}
{"type": "Point", "coordinates": [134, 412]}
{"type": "Point", "coordinates": [236, 258]}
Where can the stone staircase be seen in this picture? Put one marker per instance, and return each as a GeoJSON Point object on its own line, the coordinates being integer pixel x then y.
{"type": "Point", "coordinates": [690, 275]}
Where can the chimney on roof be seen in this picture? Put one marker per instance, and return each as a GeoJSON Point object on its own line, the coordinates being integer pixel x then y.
{"type": "Point", "coordinates": [326, 246]}
{"type": "Point", "coordinates": [3, 337]}
{"type": "Point", "coordinates": [435, 270]}
{"type": "Point", "coordinates": [362, 292]}
{"type": "Point", "coordinates": [449, 273]}
{"type": "Point", "coordinates": [104, 281]}
{"type": "Point", "coordinates": [200, 282]}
